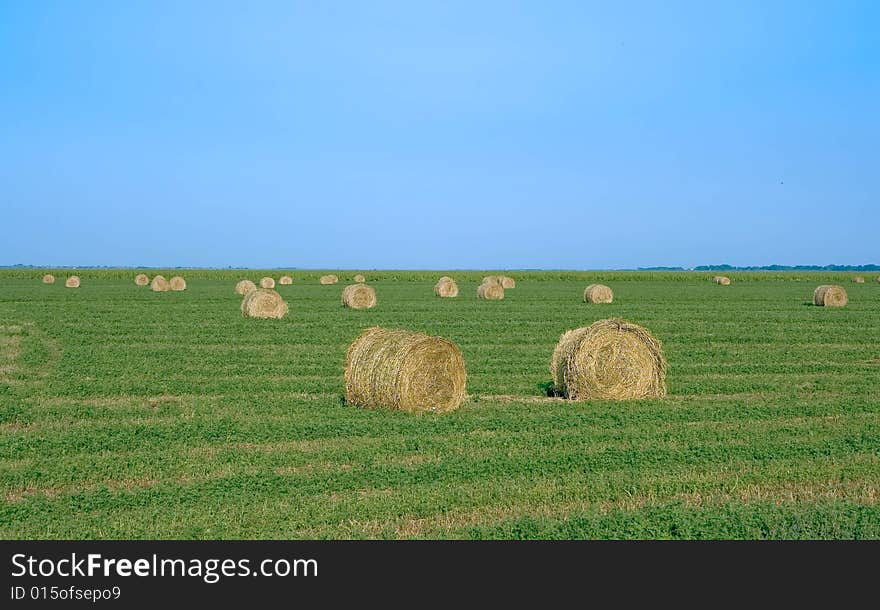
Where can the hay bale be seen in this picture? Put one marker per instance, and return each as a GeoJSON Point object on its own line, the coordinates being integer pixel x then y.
{"type": "Point", "coordinates": [611, 360]}
{"type": "Point", "coordinates": [878, 279]}
{"type": "Point", "coordinates": [263, 303]}
{"type": "Point", "coordinates": [159, 284]}
{"type": "Point", "coordinates": [490, 290]}
{"type": "Point", "coordinates": [48, 279]}
{"type": "Point", "coordinates": [492, 279]}
{"type": "Point", "coordinates": [507, 282]}
{"type": "Point", "coordinates": [267, 282]}
{"type": "Point", "coordinates": [598, 293]}
{"type": "Point", "coordinates": [285, 280]}
{"type": "Point", "coordinates": [141, 279]}
{"type": "Point", "coordinates": [177, 283]}
{"type": "Point", "coordinates": [359, 296]}
{"type": "Point", "coordinates": [403, 370]}
{"type": "Point", "coordinates": [830, 295]}
{"type": "Point", "coordinates": [360, 279]}
{"type": "Point", "coordinates": [244, 286]}
{"type": "Point", "coordinates": [72, 281]}
{"type": "Point", "coordinates": [721, 280]}
{"type": "Point", "coordinates": [326, 280]}
{"type": "Point", "coordinates": [446, 287]}
{"type": "Point", "coordinates": [859, 279]}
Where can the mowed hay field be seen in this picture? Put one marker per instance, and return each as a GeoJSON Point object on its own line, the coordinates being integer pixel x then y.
{"type": "Point", "coordinates": [127, 413]}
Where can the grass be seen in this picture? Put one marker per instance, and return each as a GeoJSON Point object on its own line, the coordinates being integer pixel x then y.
{"type": "Point", "coordinates": [131, 414]}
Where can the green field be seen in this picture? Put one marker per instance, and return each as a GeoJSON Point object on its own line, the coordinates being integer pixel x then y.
{"type": "Point", "coordinates": [131, 414]}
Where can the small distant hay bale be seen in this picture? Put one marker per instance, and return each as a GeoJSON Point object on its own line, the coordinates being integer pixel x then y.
{"type": "Point", "coordinates": [492, 279]}
{"type": "Point", "coordinates": [721, 280]}
{"type": "Point", "coordinates": [263, 303]}
{"type": "Point", "coordinates": [160, 284]}
{"type": "Point", "coordinates": [446, 287]}
{"type": "Point", "coordinates": [610, 360]}
{"type": "Point", "coordinates": [326, 280]}
{"type": "Point", "coordinates": [878, 279]}
{"type": "Point", "coordinates": [285, 280]}
{"type": "Point", "coordinates": [244, 286]}
{"type": "Point", "coordinates": [267, 282]}
{"type": "Point", "coordinates": [859, 279]}
{"type": "Point", "coordinates": [48, 279]}
{"type": "Point", "coordinates": [491, 290]}
{"type": "Point", "coordinates": [359, 296]}
{"type": "Point", "coordinates": [72, 281]}
{"type": "Point", "coordinates": [177, 283]}
{"type": "Point", "coordinates": [507, 282]}
{"type": "Point", "coordinates": [141, 279]}
{"type": "Point", "coordinates": [598, 293]}
{"type": "Point", "coordinates": [403, 370]}
{"type": "Point", "coordinates": [360, 279]}
{"type": "Point", "coordinates": [830, 295]}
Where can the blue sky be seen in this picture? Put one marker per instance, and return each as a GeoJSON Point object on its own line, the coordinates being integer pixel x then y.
{"type": "Point", "coordinates": [572, 135]}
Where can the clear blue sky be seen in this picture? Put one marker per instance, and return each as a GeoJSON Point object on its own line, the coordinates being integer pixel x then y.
{"type": "Point", "coordinates": [542, 134]}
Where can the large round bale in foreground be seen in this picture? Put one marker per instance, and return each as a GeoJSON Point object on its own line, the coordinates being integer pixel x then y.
{"type": "Point", "coordinates": [721, 280]}
{"type": "Point", "coordinates": [359, 296]}
{"type": "Point", "coordinates": [446, 287]}
{"type": "Point", "coordinates": [326, 280]}
{"type": "Point", "coordinates": [160, 284]}
{"type": "Point", "coordinates": [492, 291]}
{"type": "Point", "coordinates": [48, 279]}
{"type": "Point", "coordinates": [360, 279]}
{"type": "Point", "coordinates": [859, 279]}
{"type": "Point", "coordinates": [141, 279]}
{"type": "Point", "coordinates": [609, 360]}
{"type": "Point", "coordinates": [830, 295]}
{"type": "Point", "coordinates": [263, 303]}
{"type": "Point", "coordinates": [598, 293]}
{"type": "Point", "coordinates": [244, 286]}
{"type": "Point", "coordinates": [177, 283]}
{"type": "Point", "coordinates": [285, 280]}
{"type": "Point", "coordinates": [403, 370]}
{"type": "Point", "coordinates": [72, 281]}
{"type": "Point", "coordinates": [267, 282]}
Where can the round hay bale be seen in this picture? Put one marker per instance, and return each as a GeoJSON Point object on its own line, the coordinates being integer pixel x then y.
{"type": "Point", "coordinates": [507, 282]}
{"type": "Point", "coordinates": [267, 282]}
{"type": "Point", "coordinates": [859, 279]}
{"type": "Point", "coordinates": [244, 286]}
{"type": "Point", "coordinates": [48, 279]}
{"type": "Point", "coordinates": [359, 296]}
{"type": "Point", "coordinates": [721, 280]}
{"type": "Point", "coordinates": [159, 284]}
{"type": "Point", "coordinates": [360, 279]}
{"type": "Point", "coordinates": [72, 281]}
{"type": "Point", "coordinates": [491, 290]}
{"type": "Point", "coordinates": [598, 293]}
{"type": "Point", "coordinates": [141, 279]}
{"type": "Point", "coordinates": [177, 283]}
{"type": "Point", "coordinates": [610, 360]}
{"type": "Point", "coordinates": [446, 287]}
{"type": "Point", "coordinates": [326, 280]}
{"type": "Point", "coordinates": [878, 279]}
{"type": "Point", "coordinates": [285, 280]}
{"type": "Point", "coordinates": [263, 303]}
{"type": "Point", "coordinates": [492, 279]}
{"type": "Point", "coordinates": [403, 370]}
{"type": "Point", "coordinates": [830, 295]}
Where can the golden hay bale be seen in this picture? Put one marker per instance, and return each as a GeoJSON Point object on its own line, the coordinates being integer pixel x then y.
{"type": "Point", "coordinates": [326, 280]}
{"type": "Point", "coordinates": [598, 293]}
{"type": "Point", "coordinates": [507, 282]}
{"type": "Point", "coordinates": [403, 370]}
{"type": "Point", "coordinates": [859, 279]}
{"type": "Point", "coordinates": [244, 286]}
{"type": "Point", "coordinates": [491, 290]}
{"type": "Point", "coordinates": [359, 296]}
{"type": "Point", "coordinates": [610, 359]}
{"type": "Point", "coordinates": [285, 280]}
{"type": "Point", "coordinates": [267, 282]}
{"type": "Point", "coordinates": [72, 281]}
{"type": "Point", "coordinates": [159, 284]}
{"type": "Point", "coordinates": [360, 279]}
{"type": "Point", "coordinates": [177, 283]}
{"type": "Point", "coordinates": [830, 296]}
{"type": "Point", "coordinates": [263, 303]}
{"type": "Point", "coordinates": [48, 279]}
{"type": "Point", "coordinates": [446, 287]}
{"type": "Point", "coordinates": [878, 279]}
{"type": "Point", "coordinates": [492, 279]}
{"type": "Point", "coordinates": [721, 280]}
{"type": "Point", "coordinates": [141, 279]}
